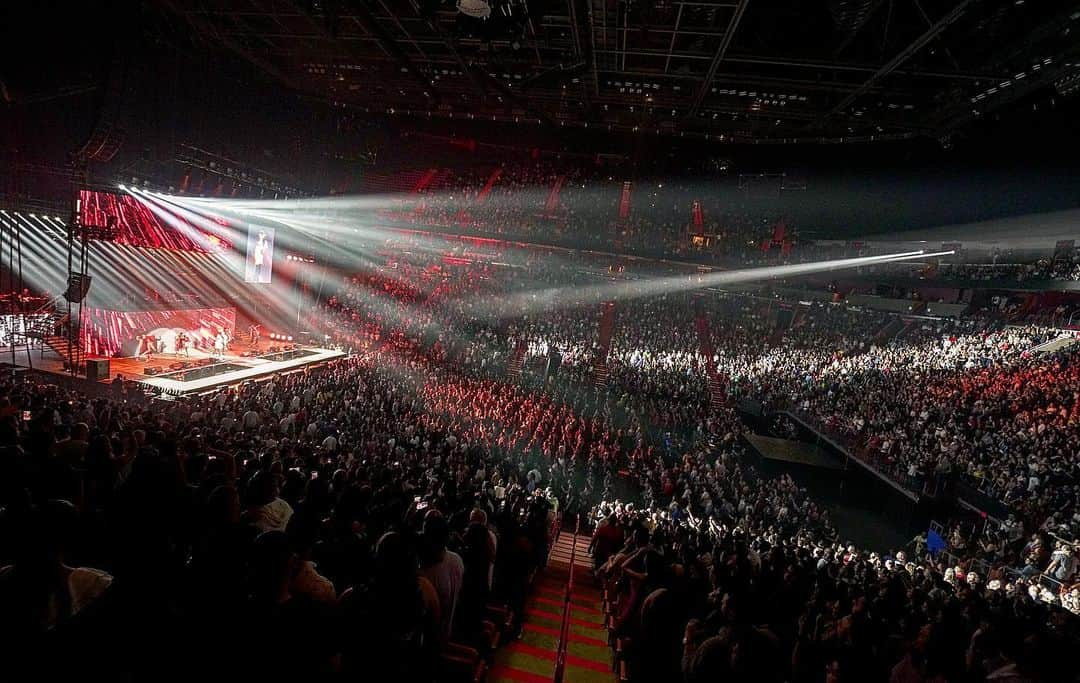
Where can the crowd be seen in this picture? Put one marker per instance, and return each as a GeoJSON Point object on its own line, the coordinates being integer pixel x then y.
{"type": "Point", "coordinates": [930, 400]}
{"type": "Point", "coordinates": [1066, 268]}
{"type": "Point", "coordinates": [759, 590]}
{"type": "Point", "coordinates": [310, 525]}
{"type": "Point", "coordinates": [562, 202]}
{"type": "Point", "coordinates": [360, 519]}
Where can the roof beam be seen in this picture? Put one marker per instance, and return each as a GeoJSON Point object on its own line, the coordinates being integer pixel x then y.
{"type": "Point", "coordinates": [949, 117]}
{"type": "Point", "coordinates": [893, 64]}
{"type": "Point", "coordinates": [206, 28]}
{"type": "Point", "coordinates": [671, 45]}
{"type": "Point", "coordinates": [592, 48]}
{"type": "Point", "coordinates": [477, 75]}
{"type": "Point", "coordinates": [577, 9]}
{"type": "Point", "coordinates": [721, 52]}
{"type": "Point", "coordinates": [367, 19]}
{"type": "Point", "coordinates": [837, 66]}
{"type": "Point", "coordinates": [850, 38]}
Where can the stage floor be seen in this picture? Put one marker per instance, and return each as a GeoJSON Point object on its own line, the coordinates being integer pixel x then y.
{"type": "Point", "coordinates": [229, 370]}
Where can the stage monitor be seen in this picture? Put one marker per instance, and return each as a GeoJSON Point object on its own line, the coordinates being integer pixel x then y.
{"type": "Point", "coordinates": [259, 262]}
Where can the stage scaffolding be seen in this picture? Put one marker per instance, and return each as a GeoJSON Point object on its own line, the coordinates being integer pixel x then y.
{"type": "Point", "coordinates": [11, 283]}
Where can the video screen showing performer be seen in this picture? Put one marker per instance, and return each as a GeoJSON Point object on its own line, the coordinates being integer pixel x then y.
{"type": "Point", "coordinates": [259, 264]}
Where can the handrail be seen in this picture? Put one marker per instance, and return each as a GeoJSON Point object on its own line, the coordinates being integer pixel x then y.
{"type": "Point", "coordinates": [564, 629]}
{"type": "Point", "coordinates": [554, 533]}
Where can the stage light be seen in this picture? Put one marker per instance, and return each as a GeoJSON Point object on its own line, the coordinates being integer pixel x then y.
{"type": "Point", "coordinates": [290, 338]}
{"type": "Point", "coordinates": [123, 187]}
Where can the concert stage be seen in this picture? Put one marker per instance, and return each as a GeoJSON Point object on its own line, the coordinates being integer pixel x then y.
{"type": "Point", "coordinates": [232, 370]}
{"type": "Point", "coordinates": [205, 374]}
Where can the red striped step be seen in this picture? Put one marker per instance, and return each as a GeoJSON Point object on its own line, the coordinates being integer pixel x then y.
{"type": "Point", "coordinates": [507, 673]}
{"type": "Point", "coordinates": [551, 616]}
{"type": "Point", "coordinates": [558, 603]}
{"type": "Point", "coordinates": [575, 597]}
{"type": "Point", "coordinates": [580, 587]}
{"type": "Point", "coordinates": [571, 660]}
{"type": "Point", "coordinates": [574, 637]}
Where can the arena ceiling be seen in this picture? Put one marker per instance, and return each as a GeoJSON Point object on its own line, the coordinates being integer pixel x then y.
{"type": "Point", "coordinates": [750, 70]}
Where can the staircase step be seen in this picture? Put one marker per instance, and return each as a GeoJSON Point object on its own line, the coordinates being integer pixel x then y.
{"type": "Point", "coordinates": [588, 654]}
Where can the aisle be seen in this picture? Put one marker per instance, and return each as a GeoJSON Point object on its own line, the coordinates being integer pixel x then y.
{"type": "Point", "coordinates": [531, 659]}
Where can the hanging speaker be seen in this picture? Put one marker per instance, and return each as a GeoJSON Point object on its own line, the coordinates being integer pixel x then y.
{"type": "Point", "coordinates": [78, 286]}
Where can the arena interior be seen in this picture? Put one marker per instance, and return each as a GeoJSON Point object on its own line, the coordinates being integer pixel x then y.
{"type": "Point", "coordinates": [540, 341]}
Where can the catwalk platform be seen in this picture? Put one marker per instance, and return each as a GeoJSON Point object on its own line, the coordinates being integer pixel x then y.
{"type": "Point", "coordinates": [231, 370]}
{"type": "Point", "coordinates": [207, 373]}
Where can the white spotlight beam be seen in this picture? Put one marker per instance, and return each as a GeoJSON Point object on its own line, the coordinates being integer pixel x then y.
{"type": "Point", "coordinates": [557, 297]}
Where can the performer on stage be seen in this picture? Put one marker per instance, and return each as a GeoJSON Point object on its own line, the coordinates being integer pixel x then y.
{"type": "Point", "coordinates": [221, 343]}
{"type": "Point", "coordinates": [147, 347]}
{"type": "Point", "coordinates": [253, 332]}
{"type": "Point", "coordinates": [183, 343]}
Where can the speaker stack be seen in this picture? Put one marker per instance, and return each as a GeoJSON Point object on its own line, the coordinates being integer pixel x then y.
{"type": "Point", "coordinates": [97, 369]}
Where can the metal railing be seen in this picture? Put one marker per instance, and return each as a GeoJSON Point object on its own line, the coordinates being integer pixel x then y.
{"type": "Point", "coordinates": [564, 628]}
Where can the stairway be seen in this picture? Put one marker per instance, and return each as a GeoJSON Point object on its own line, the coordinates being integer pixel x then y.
{"type": "Point", "coordinates": [600, 374]}
{"type": "Point", "coordinates": [45, 325]}
{"type": "Point", "coordinates": [57, 343]}
{"type": "Point", "coordinates": [517, 360]}
{"type": "Point", "coordinates": [889, 331]}
{"type": "Point", "coordinates": [606, 331]}
{"type": "Point", "coordinates": [531, 659]}
{"type": "Point", "coordinates": [552, 203]}
{"type": "Point", "coordinates": [717, 385]}
{"type": "Point", "coordinates": [424, 180]}
{"type": "Point", "coordinates": [717, 392]}
{"type": "Point", "coordinates": [624, 200]}
{"type": "Point", "coordinates": [785, 320]}
{"type": "Point", "coordinates": [485, 191]}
